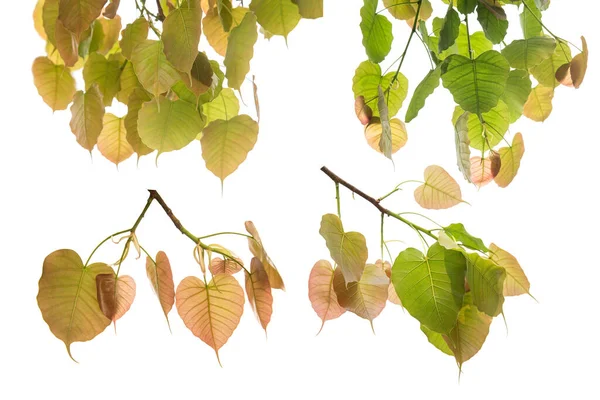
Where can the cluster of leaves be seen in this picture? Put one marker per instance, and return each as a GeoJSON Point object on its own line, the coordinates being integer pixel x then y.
{"type": "Point", "coordinates": [78, 301]}
{"type": "Point", "coordinates": [174, 94]}
{"type": "Point", "coordinates": [492, 89]}
{"type": "Point", "coordinates": [454, 287]}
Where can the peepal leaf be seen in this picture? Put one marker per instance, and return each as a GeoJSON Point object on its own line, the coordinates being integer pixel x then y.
{"type": "Point", "coordinates": [49, 17]}
{"type": "Point", "coordinates": [213, 311]}
{"type": "Point", "coordinates": [258, 291]}
{"type": "Point", "coordinates": [518, 87]}
{"type": "Point", "coordinates": [78, 15]}
{"type": "Point", "coordinates": [385, 138]}
{"type": "Point", "coordinates": [213, 30]}
{"type": "Point", "coordinates": [450, 29]}
{"type": "Point", "coordinates": [111, 10]}
{"type": "Point", "coordinates": [545, 72]}
{"type": "Point", "coordinates": [133, 34]}
{"type": "Point", "coordinates": [422, 92]}
{"type": "Point", "coordinates": [431, 287]}
{"type": "Point", "coordinates": [240, 50]}
{"type": "Point", "coordinates": [366, 81]}
{"type": "Point", "coordinates": [400, 9]}
{"type": "Point", "coordinates": [87, 113]}
{"type": "Point", "coordinates": [510, 161]}
{"type": "Point", "coordinates": [516, 283]}
{"type": "Point", "coordinates": [486, 280]}
{"type": "Point", "coordinates": [134, 104]}
{"type": "Point", "coordinates": [439, 191]}
{"type": "Point", "coordinates": [437, 339]}
{"type": "Point", "coordinates": [181, 35]}
{"type": "Point", "coordinates": [322, 294]}
{"type": "Point", "coordinates": [376, 31]}
{"type": "Point", "coordinates": [115, 295]}
{"type": "Point", "coordinates": [493, 21]}
{"type": "Point", "coordinates": [38, 19]}
{"type": "Point", "coordinates": [462, 142]}
{"type": "Point", "coordinates": [481, 171]}
{"type": "Point", "coordinates": [54, 83]}
{"type": "Point", "coordinates": [112, 141]}
{"type": "Point", "coordinates": [66, 44]}
{"type": "Point", "coordinates": [374, 134]}
{"type": "Point", "coordinates": [364, 113]}
{"type": "Point", "coordinates": [161, 277]}
{"type": "Point", "coordinates": [460, 234]}
{"type": "Point", "coordinates": [579, 65]}
{"type": "Point", "coordinates": [125, 295]}
{"type": "Point", "coordinates": [539, 103]}
{"type": "Point", "coordinates": [152, 68]}
{"type": "Point", "coordinates": [227, 266]}
{"type": "Point", "coordinates": [105, 73]}
{"type": "Point", "coordinates": [526, 54]}
{"type": "Point", "coordinates": [347, 249]}
{"type": "Point", "coordinates": [224, 10]}
{"type": "Point", "coordinates": [310, 9]}
{"type": "Point", "coordinates": [278, 17]}
{"type": "Point", "coordinates": [67, 297]}
{"type": "Point", "coordinates": [225, 106]}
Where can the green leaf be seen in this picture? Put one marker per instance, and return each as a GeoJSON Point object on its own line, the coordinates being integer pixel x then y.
{"type": "Point", "coordinates": [462, 142]}
{"type": "Point", "coordinates": [54, 83]}
{"type": "Point", "coordinates": [240, 50]}
{"type": "Point", "coordinates": [225, 106]}
{"type": "Point", "coordinates": [348, 249]}
{"type": "Point", "coordinates": [154, 72]}
{"type": "Point", "coordinates": [134, 104]}
{"type": "Point", "coordinates": [166, 125]}
{"type": "Point", "coordinates": [491, 21]}
{"type": "Point", "coordinates": [460, 234]}
{"type": "Point", "coordinates": [478, 84]}
{"type": "Point", "coordinates": [366, 81]}
{"type": "Point", "coordinates": [545, 72]}
{"type": "Point", "coordinates": [310, 9]}
{"type": "Point", "coordinates": [128, 82]}
{"type": "Point", "coordinates": [422, 92]}
{"type": "Point", "coordinates": [87, 113]}
{"type": "Point", "coordinates": [217, 83]}
{"type": "Point", "coordinates": [278, 17]}
{"type": "Point", "coordinates": [181, 35]}
{"type": "Point", "coordinates": [450, 29]}
{"type": "Point", "coordinates": [510, 161]}
{"type": "Point", "coordinates": [78, 15]}
{"type": "Point", "coordinates": [105, 73]}
{"type": "Point", "coordinates": [431, 287]}
{"type": "Point", "coordinates": [516, 283]}
{"type": "Point", "coordinates": [133, 34]}
{"type": "Point", "coordinates": [376, 31]}
{"type": "Point", "coordinates": [466, 6]}
{"type": "Point", "coordinates": [225, 144]}
{"type": "Point", "coordinates": [436, 339]}
{"type": "Point", "coordinates": [487, 130]}
{"type": "Point", "coordinates": [526, 54]}
{"type": "Point", "coordinates": [518, 87]}
{"type": "Point", "coordinates": [224, 10]}
{"type": "Point", "coordinates": [486, 281]}
{"type": "Point", "coordinates": [530, 20]}
{"type": "Point", "coordinates": [67, 297]}
{"type": "Point", "coordinates": [539, 104]}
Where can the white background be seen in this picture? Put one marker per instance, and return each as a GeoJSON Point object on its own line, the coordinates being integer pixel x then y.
{"type": "Point", "coordinates": [54, 196]}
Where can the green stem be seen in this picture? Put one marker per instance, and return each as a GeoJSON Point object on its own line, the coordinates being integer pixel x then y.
{"type": "Point", "coordinates": [226, 233]}
{"type": "Point", "coordinates": [412, 32]}
{"type": "Point", "coordinates": [468, 37]}
{"type": "Point", "coordinates": [102, 242]}
{"type": "Point", "coordinates": [404, 3]}
{"type": "Point", "coordinates": [389, 194]}
{"type": "Point", "coordinates": [337, 199]}
{"type": "Point", "coordinates": [560, 40]}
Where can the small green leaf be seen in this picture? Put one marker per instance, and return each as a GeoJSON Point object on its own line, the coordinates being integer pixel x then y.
{"type": "Point", "coordinates": [526, 54]}
{"type": "Point", "coordinates": [487, 130]}
{"type": "Point", "coordinates": [466, 6]}
{"type": "Point", "coordinates": [518, 87]}
{"type": "Point", "coordinates": [486, 280]}
{"type": "Point", "coordinates": [225, 106]}
{"type": "Point", "coordinates": [450, 29]}
{"type": "Point", "coordinates": [460, 234]}
{"type": "Point", "coordinates": [366, 81]}
{"type": "Point", "coordinates": [278, 17]}
{"type": "Point", "coordinates": [493, 21]}
{"type": "Point", "coordinates": [376, 30]}
{"type": "Point", "coordinates": [49, 17]}
{"type": "Point", "coordinates": [510, 161]}
{"type": "Point", "coordinates": [105, 73]}
{"type": "Point", "coordinates": [422, 92]}
{"type": "Point", "coordinates": [240, 50]}
{"type": "Point", "coordinates": [181, 35]}
{"type": "Point", "coordinates": [530, 20]}
{"type": "Point", "coordinates": [152, 68]}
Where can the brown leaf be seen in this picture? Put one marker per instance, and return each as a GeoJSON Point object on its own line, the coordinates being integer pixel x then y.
{"type": "Point", "coordinates": [563, 75]}
{"type": "Point", "coordinates": [105, 292]}
{"type": "Point", "coordinates": [161, 278]}
{"type": "Point", "coordinates": [579, 65]}
{"type": "Point", "coordinates": [228, 266]}
{"type": "Point", "coordinates": [364, 113]}
{"type": "Point", "coordinates": [511, 161]}
{"type": "Point", "coordinates": [67, 44]}
{"type": "Point", "coordinates": [321, 294]}
{"type": "Point", "coordinates": [257, 250]}
{"type": "Point", "coordinates": [496, 163]}
{"type": "Point", "coordinates": [111, 10]}
{"type": "Point", "coordinates": [259, 292]}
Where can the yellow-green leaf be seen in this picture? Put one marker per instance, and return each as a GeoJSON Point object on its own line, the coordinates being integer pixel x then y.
{"type": "Point", "coordinates": [125, 294]}
{"type": "Point", "coordinates": [516, 283]}
{"type": "Point", "coordinates": [258, 291]}
{"type": "Point", "coordinates": [511, 161]}
{"type": "Point", "coordinates": [111, 29]}
{"type": "Point", "coordinates": [526, 54]}
{"type": "Point", "coordinates": [181, 35]}
{"type": "Point", "coordinates": [225, 106]}
{"type": "Point", "coordinates": [278, 17]}
{"type": "Point", "coordinates": [154, 72]}
{"type": "Point", "coordinates": [54, 83]}
{"type": "Point", "coordinates": [545, 72]}
{"type": "Point", "coordinates": [78, 15]}
{"type": "Point", "coordinates": [49, 18]}
{"type": "Point", "coordinates": [105, 73]}
{"type": "Point", "coordinates": [367, 78]}
{"type": "Point", "coordinates": [439, 190]}
{"type": "Point", "coordinates": [134, 104]}
{"type": "Point", "coordinates": [437, 339]}
{"type": "Point", "coordinates": [322, 294]}
{"type": "Point", "coordinates": [133, 34]}
{"type": "Point", "coordinates": [400, 9]}
{"type": "Point", "coordinates": [310, 9]}
{"type": "Point", "coordinates": [213, 30]}
{"type": "Point", "coordinates": [486, 280]}
{"type": "Point", "coordinates": [87, 113]}
{"type": "Point", "coordinates": [112, 141]}
{"type": "Point", "coordinates": [539, 104]}
{"type": "Point", "coordinates": [373, 134]}
{"type": "Point", "coordinates": [38, 19]}
{"type": "Point", "coordinates": [240, 50]}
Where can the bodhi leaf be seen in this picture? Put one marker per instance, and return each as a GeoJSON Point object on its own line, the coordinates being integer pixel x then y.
{"type": "Point", "coordinates": [213, 311]}
{"type": "Point", "coordinates": [545, 72]}
{"type": "Point", "coordinates": [310, 9]}
{"type": "Point", "coordinates": [493, 21]}
{"type": "Point", "coordinates": [347, 249]}
{"type": "Point", "coordinates": [539, 103]}
{"type": "Point", "coordinates": [49, 18]}
{"type": "Point", "coordinates": [481, 171]}
{"type": "Point", "coordinates": [439, 191]}
{"type": "Point", "coordinates": [258, 250]}
{"type": "Point", "coordinates": [181, 35]}
{"type": "Point", "coordinates": [526, 54]}
{"type": "Point", "coordinates": [422, 92]}
{"type": "Point", "coordinates": [258, 291]}
{"type": "Point", "coordinates": [38, 19]}
{"type": "Point", "coordinates": [400, 9]}
{"type": "Point", "coordinates": [366, 81]}
{"type": "Point", "coordinates": [111, 29]}
{"type": "Point", "coordinates": [486, 280]}
{"type": "Point", "coordinates": [376, 31]}
{"type": "Point", "coordinates": [134, 104]}
{"type": "Point", "coordinates": [105, 73]}
{"type": "Point", "coordinates": [66, 44]}
{"type": "Point", "coordinates": [436, 339]}
{"type": "Point", "coordinates": [67, 297]}
{"type": "Point", "coordinates": [54, 83]}
{"type": "Point", "coordinates": [385, 138]}
{"type": "Point", "coordinates": [78, 15]}
{"type": "Point", "coordinates": [365, 298]}
{"type": "Point", "coordinates": [224, 11]}
{"type": "Point", "coordinates": [431, 287]}
{"type": "Point", "coordinates": [166, 125]}
{"type": "Point", "coordinates": [460, 234]}
{"type": "Point", "coordinates": [374, 132]}
{"type": "Point", "coordinates": [466, 6]}
{"type": "Point", "coordinates": [225, 106]}
{"type": "Point", "coordinates": [240, 50]}
{"type": "Point", "coordinates": [488, 129]}
{"type": "Point", "coordinates": [450, 29]}
{"type": "Point", "coordinates": [115, 295]}
{"type": "Point", "coordinates": [133, 34]}
{"type": "Point", "coordinates": [124, 296]}
{"type": "Point", "coordinates": [112, 141]}
{"type": "Point", "coordinates": [579, 65]}
{"type": "Point", "coordinates": [462, 142]}
{"type": "Point", "coordinates": [322, 294]}
{"type": "Point", "coordinates": [213, 30]}
{"type": "Point", "coordinates": [510, 161]}
{"type": "Point", "coordinates": [153, 70]}
{"type": "Point", "coordinates": [478, 84]}
{"type": "Point", "coordinates": [87, 113]}
{"type": "Point", "coordinates": [161, 277]}
{"type": "Point", "coordinates": [227, 266]}
{"type": "Point", "coordinates": [278, 17]}
{"type": "Point", "coordinates": [530, 20]}
{"type": "Point", "coordinates": [364, 113]}
{"type": "Point", "coordinates": [111, 10]}
{"type": "Point", "coordinates": [518, 87]}
{"type": "Point", "coordinates": [516, 283]}
{"type": "Point", "coordinates": [128, 82]}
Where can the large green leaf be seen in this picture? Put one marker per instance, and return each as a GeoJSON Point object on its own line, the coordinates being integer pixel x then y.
{"type": "Point", "coordinates": [225, 144]}
{"type": "Point", "coordinates": [166, 125]}
{"type": "Point", "coordinates": [423, 90]}
{"type": "Point", "coordinates": [278, 17]}
{"type": "Point", "coordinates": [478, 84]}
{"type": "Point", "coordinates": [450, 29]}
{"type": "Point", "coordinates": [240, 49]}
{"type": "Point", "coordinates": [87, 113]}
{"type": "Point", "coordinates": [518, 87]}
{"type": "Point", "coordinates": [366, 81]}
{"type": "Point", "coordinates": [181, 35]}
{"type": "Point", "coordinates": [493, 21]}
{"type": "Point", "coordinates": [526, 54]}
{"type": "Point", "coordinates": [431, 287]}
{"type": "Point", "coordinates": [545, 72]}
{"type": "Point", "coordinates": [152, 68]}
{"type": "Point", "coordinates": [376, 31]}
{"type": "Point", "coordinates": [67, 297]}
{"type": "Point", "coordinates": [54, 83]}
{"type": "Point", "coordinates": [348, 249]}
{"type": "Point", "coordinates": [104, 73]}
{"type": "Point", "coordinates": [78, 15]}
{"type": "Point", "coordinates": [486, 280]}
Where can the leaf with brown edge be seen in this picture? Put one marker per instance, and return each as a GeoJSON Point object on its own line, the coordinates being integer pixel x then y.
{"type": "Point", "coordinates": [161, 277]}
{"type": "Point", "coordinates": [365, 298]}
{"type": "Point", "coordinates": [78, 15]}
{"type": "Point", "coordinates": [87, 113]}
{"type": "Point", "coordinates": [54, 83]}
{"type": "Point", "coordinates": [516, 283]}
{"type": "Point", "coordinates": [439, 191]}
{"type": "Point", "coordinates": [374, 133]}
{"type": "Point", "coordinates": [213, 311]}
{"type": "Point", "coordinates": [539, 104]}
{"type": "Point", "coordinates": [579, 65]}
{"type": "Point", "coordinates": [67, 297]}
{"type": "Point", "coordinates": [258, 291]}
{"type": "Point", "coordinates": [67, 44]}
{"type": "Point", "coordinates": [511, 161]}
{"type": "Point", "coordinates": [257, 249]}
{"type": "Point", "coordinates": [364, 113]}
{"type": "Point", "coordinates": [111, 29]}
{"type": "Point", "coordinates": [112, 141]}
{"type": "Point", "coordinates": [227, 266]}
{"type": "Point", "coordinates": [321, 293]}
{"type": "Point", "coordinates": [110, 11]}
{"type": "Point", "coordinates": [481, 171]}
{"type": "Point", "coordinates": [496, 162]}
{"type": "Point", "coordinates": [105, 292]}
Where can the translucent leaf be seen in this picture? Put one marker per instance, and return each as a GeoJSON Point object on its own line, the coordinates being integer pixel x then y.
{"type": "Point", "coordinates": [310, 9]}
{"type": "Point", "coordinates": [128, 82]}
{"type": "Point", "coordinates": [490, 18]}
{"type": "Point", "coordinates": [213, 30]}
{"type": "Point", "coordinates": [213, 311]}
{"type": "Point", "coordinates": [481, 171]}
{"type": "Point", "coordinates": [49, 18]}
{"type": "Point", "coordinates": [105, 292]}
{"type": "Point", "coordinates": [376, 31]}
{"type": "Point", "coordinates": [258, 291]}
{"type": "Point", "coordinates": [579, 65]}
{"type": "Point", "coordinates": [347, 249]}
{"type": "Point", "coordinates": [67, 297]}
{"type": "Point", "coordinates": [111, 29]}
{"type": "Point", "coordinates": [202, 84]}
{"type": "Point", "coordinates": [539, 103]}
{"type": "Point", "coordinates": [78, 15]}
{"type": "Point", "coordinates": [526, 54]}
{"type": "Point", "coordinates": [439, 190]}
{"type": "Point", "coordinates": [225, 106]}
{"type": "Point", "coordinates": [104, 73]}
{"type": "Point", "coordinates": [240, 50]}
{"type": "Point", "coordinates": [228, 266]}
{"type": "Point", "coordinates": [66, 44]}
{"type": "Point", "coordinates": [530, 20]}
{"type": "Point", "coordinates": [166, 125]}
{"type": "Point", "coordinates": [487, 130]}
{"type": "Point", "coordinates": [486, 281]}
{"type": "Point", "coordinates": [87, 113]}
{"type": "Point", "coordinates": [365, 298]}
{"type": "Point", "coordinates": [125, 295]}
{"type": "Point", "coordinates": [460, 234]}
{"type": "Point", "coordinates": [278, 17]}
{"type": "Point", "coordinates": [545, 72]}
{"type": "Point", "coordinates": [518, 87]}
{"type": "Point", "coordinates": [431, 287]}
{"type": "Point", "coordinates": [133, 34]}
{"type": "Point", "coordinates": [400, 9]}
{"type": "Point", "coordinates": [511, 161]}
{"type": "Point", "coordinates": [38, 19]}
{"type": "Point", "coordinates": [54, 83]}
{"type": "Point", "coordinates": [111, 10]}
{"type": "Point", "coordinates": [134, 104]}
{"type": "Point", "coordinates": [366, 81]}
{"type": "Point", "coordinates": [161, 278]}
{"type": "Point", "coordinates": [258, 250]}
{"type": "Point", "coordinates": [462, 142]}
{"type": "Point", "coordinates": [422, 92]}
{"type": "Point", "coordinates": [437, 339]}
{"type": "Point", "coordinates": [224, 11]}
{"type": "Point", "coordinates": [450, 29]}
{"type": "Point", "coordinates": [321, 293]}
{"type": "Point", "coordinates": [112, 141]}
{"type": "Point", "coordinates": [374, 131]}
{"type": "Point", "coordinates": [154, 72]}
{"type": "Point", "coordinates": [516, 283]}
{"type": "Point", "coordinates": [364, 113]}
{"type": "Point", "coordinates": [181, 35]}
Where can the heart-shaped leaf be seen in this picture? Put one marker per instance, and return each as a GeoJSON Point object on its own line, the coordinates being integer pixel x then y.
{"type": "Point", "coordinates": [511, 161]}
{"type": "Point", "coordinates": [376, 31]}
{"type": "Point", "coordinates": [486, 280]}
{"type": "Point", "coordinates": [516, 283]}
{"type": "Point", "coordinates": [259, 294]}
{"type": "Point", "coordinates": [54, 83]}
{"type": "Point", "coordinates": [439, 190]}
{"type": "Point", "coordinates": [539, 103]}
{"type": "Point", "coordinates": [321, 293]}
{"type": "Point", "coordinates": [87, 113]}
{"type": "Point", "coordinates": [278, 17]}
{"type": "Point", "coordinates": [112, 141]}
{"type": "Point", "coordinates": [374, 134]}
{"type": "Point", "coordinates": [161, 277]}
{"type": "Point", "coordinates": [152, 68]}
{"type": "Point", "coordinates": [181, 35]}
